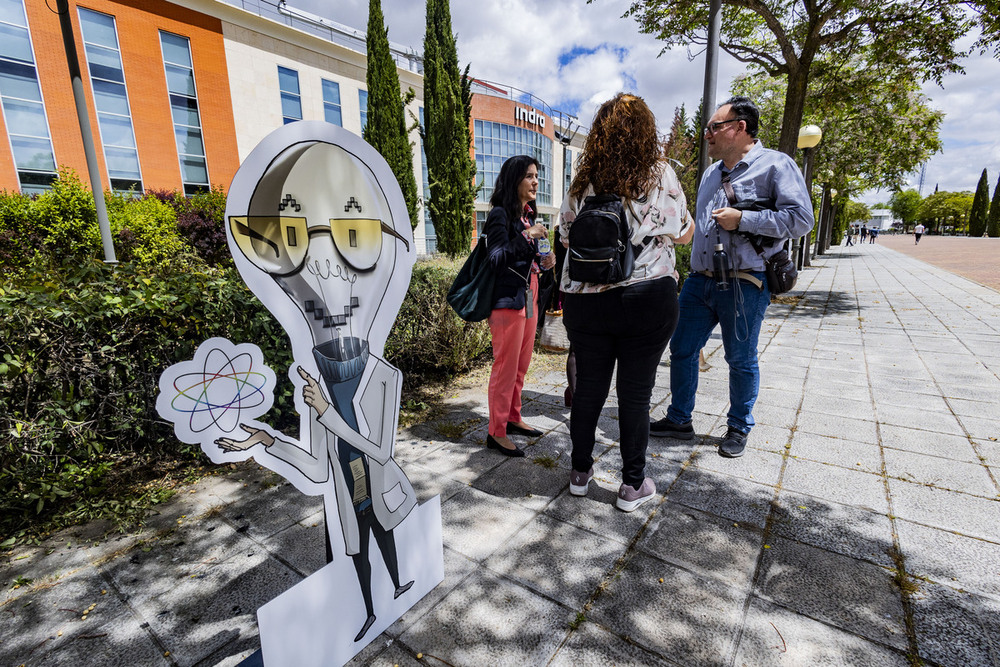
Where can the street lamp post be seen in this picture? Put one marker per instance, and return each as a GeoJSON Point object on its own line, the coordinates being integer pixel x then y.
{"type": "Point", "coordinates": [809, 138]}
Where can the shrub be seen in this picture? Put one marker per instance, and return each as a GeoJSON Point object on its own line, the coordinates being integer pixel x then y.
{"type": "Point", "coordinates": [81, 353]}
{"type": "Point", "coordinates": [145, 229]}
{"type": "Point", "coordinates": [201, 222]}
{"type": "Point", "coordinates": [429, 340]}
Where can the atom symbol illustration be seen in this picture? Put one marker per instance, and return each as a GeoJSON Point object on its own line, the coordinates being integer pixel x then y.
{"type": "Point", "coordinates": [218, 395]}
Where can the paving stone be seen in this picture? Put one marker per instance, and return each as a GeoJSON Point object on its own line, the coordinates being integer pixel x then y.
{"type": "Point", "coordinates": [841, 485]}
{"type": "Point", "coordinates": [712, 547]}
{"type": "Point", "coordinates": [853, 595]}
{"type": "Point", "coordinates": [858, 429]}
{"type": "Point", "coordinates": [490, 620]}
{"type": "Point", "coordinates": [301, 546]}
{"type": "Point", "coordinates": [950, 510]}
{"type": "Point", "coordinates": [837, 451]}
{"type": "Point", "coordinates": [691, 619]}
{"type": "Point", "coordinates": [592, 646]}
{"type": "Point", "coordinates": [918, 417]}
{"type": "Point", "coordinates": [464, 461]}
{"type": "Point", "coordinates": [596, 512]}
{"type": "Point", "coordinates": [956, 447]}
{"type": "Point", "coordinates": [475, 523]}
{"type": "Point", "coordinates": [557, 559]}
{"type": "Point", "coordinates": [837, 406]}
{"type": "Point", "coordinates": [954, 560]}
{"type": "Point", "coordinates": [456, 568]}
{"type": "Point", "coordinates": [981, 427]}
{"type": "Point", "coordinates": [270, 509]}
{"type": "Point", "coordinates": [429, 483]}
{"type": "Point", "coordinates": [943, 473]}
{"type": "Point", "coordinates": [524, 481]}
{"type": "Point", "coordinates": [728, 497]}
{"type": "Point", "coordinates": [773, 635]}
{"type": "Point", "coordinates": [47, 626]}
{"type": "Point", "coordinates": [202, 614]}
{"type": "Point", "coordinates": [844, 529]}
{"type": "Point", "coordinates": [955, 628]}
{"type": "Point", "coordinates": [758, 466]}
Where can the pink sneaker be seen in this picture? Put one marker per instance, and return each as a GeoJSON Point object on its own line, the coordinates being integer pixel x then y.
{"type": "Point", "coordinates": [579, 481]}
{"type": "Point", "coordinates": [630, 498]}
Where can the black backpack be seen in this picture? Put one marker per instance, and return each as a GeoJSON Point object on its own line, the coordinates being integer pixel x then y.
{"type": "Point", "coordinates": [600, 250]}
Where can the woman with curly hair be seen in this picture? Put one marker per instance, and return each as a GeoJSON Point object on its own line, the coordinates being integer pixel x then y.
{"type": "Point", "coordinates": [627, 323]}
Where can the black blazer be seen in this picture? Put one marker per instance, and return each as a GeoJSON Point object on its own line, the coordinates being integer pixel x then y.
{"type": "Point", "coordinates": [510, 256]}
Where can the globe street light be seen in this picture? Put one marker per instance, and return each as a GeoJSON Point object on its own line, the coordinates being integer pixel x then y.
{"type": "Point", "coordinates": [809, 138]}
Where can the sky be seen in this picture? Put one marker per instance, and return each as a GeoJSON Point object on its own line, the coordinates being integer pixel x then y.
{"type": "Point", "coordinates": [575, 55]}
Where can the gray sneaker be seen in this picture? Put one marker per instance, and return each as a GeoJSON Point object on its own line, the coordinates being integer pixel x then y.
{"type": "Point", "coordinates": [733, 444]}
{"type": "Point", "coordinates": [579, 481]}
{"type": "Point", "coordinates": [629, 497]}
{"type": "Point", "coordinates": [668, 429]}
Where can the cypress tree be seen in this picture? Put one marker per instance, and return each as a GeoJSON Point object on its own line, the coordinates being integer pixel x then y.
{"type": "Point", "coordinates": [447, 140]}
{"type": "Point", "coordinates": [386, 128]}
{"type": "Point", "coordinates": [993, 225]}
{"type": "Point", "coordinates": [980, 208]}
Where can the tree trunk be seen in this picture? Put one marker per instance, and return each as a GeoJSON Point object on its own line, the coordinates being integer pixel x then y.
{"type": "Point", "coordinates": [795, 102]}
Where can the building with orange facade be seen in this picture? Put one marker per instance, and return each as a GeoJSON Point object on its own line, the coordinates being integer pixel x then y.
{"type": "Point", "coordinates": [180, 91]}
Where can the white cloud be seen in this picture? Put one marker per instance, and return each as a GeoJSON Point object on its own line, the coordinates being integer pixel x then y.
{"type": "Point", "coordinates": [520, 43]}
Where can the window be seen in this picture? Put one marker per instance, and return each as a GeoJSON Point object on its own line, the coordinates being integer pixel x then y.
{"type": "Point", "coordinates": [331, 103]}
{"type": "Point", "coordinates": [114, 117]}
{"type": "Point", "coordinates": [291, 100]}
{"type": "Point", "coordinates": [21, 100]}
{"type": "Point", "coordinates": [495, 142]}
{"type": "Point", "coordinates": [363, 103]}
{"type": "Point", "coordinates": [567, 169]}
{"type": "Point", "coordinates": [183, 96]}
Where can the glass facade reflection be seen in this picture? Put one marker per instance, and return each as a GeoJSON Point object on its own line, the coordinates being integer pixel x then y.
{"type": "Point", "coordinates": [21, 100]}
{"type": "Point", "coordinates": [114, 117]}
{"type": "Point", "coordinates": [495, 142]}
{"type": "Point", "coordinates": [184, 110]}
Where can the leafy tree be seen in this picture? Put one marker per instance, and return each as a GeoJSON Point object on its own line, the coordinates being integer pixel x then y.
{"type": "Point", "coordinates": [874, 131]}
{"type": "Point", "coordinates": [980, 208]}
{"type": "Point", "coordinates": [386, 128]}
{"type": "Point", "coordinates": [945, 208]}
{"type": "Point", "coordinates": [786, 38]}
{"type": "Point", "coordinates": [447, 140]}
{"type": "Point", "coordinates": [682, 151]}
{"type": "Point", "coordinates": [854, 212]}
{"type": "Point", "coordinates": [905, 205]}
{"type": "Point", "coordinates": [993, 225]}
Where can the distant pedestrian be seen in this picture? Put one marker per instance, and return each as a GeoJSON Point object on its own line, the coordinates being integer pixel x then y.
{"type": "Point", "coordinates": [872, 235]}
{"type": "Point", "coordinates": [864, 233]}
{"type": "Point", "coordinates": [918, 231]}
{"type": "Point", "coordinates": [849, 236]}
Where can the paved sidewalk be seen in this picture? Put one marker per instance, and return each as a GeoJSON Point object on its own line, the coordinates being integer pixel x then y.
{"type": "Point", "coordinates": [862, 527]}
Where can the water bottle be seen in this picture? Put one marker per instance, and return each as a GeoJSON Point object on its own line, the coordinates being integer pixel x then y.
{"type": "Point", "coordinates": [720, 267]}
{"type": "Point", "coordinates": [544, 247]}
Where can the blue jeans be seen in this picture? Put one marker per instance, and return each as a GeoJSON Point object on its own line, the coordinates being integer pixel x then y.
{"type": "Point", "coordinates": [739, 311]}
{"type": "Point", "coordinates": [628, 326]}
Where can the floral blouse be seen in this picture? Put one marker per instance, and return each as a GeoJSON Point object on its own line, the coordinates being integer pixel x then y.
{"type": "Point", "coordinates": [661, 214]}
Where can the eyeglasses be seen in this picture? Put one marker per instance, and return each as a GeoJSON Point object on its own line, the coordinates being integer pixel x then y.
{"type": "Point", "coordinates": [714, 127]}
{"type": "Point", "coordinates": [278, 244]}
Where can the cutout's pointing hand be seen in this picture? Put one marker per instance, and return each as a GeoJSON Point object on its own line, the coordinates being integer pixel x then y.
{"type": "Point", "coordinates": [312, 394]}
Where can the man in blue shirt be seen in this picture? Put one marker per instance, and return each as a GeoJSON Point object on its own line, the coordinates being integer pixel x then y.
{"type": "Point", "coordinates": [751, 172]}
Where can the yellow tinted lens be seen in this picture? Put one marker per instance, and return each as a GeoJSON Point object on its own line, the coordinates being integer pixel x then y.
{"type": "Point", "coordinates": [276, 244]}
{"type": "Point", "coordinates": [359, 241]}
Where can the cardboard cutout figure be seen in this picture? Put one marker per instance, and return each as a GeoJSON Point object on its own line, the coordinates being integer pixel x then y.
{"type": "Point", "coordinates": [320, 233]}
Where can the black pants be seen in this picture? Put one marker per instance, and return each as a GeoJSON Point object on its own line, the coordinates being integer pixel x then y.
{"type": "Point", "coordinates": [369, 525]}
{"type": "Point", "coordinates": [629, 326]}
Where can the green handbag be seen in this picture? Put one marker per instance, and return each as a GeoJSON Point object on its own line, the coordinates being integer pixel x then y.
{"type": "Point", "coordinates": [471, 295]}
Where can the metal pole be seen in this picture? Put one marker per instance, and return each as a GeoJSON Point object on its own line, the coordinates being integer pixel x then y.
{"type": "Point", "coordinates": [83, 117]}
{"type": "Point", "coordinates": [711, 75]}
